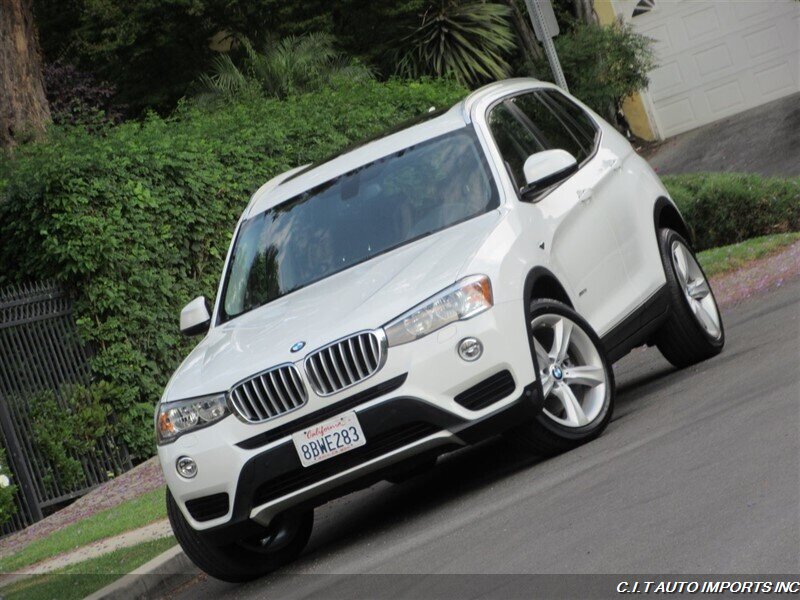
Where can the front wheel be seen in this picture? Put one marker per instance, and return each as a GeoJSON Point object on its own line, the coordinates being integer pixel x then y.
{"type": "Point", "coordinates": [693, 332]}
{"type": "Point", "coordinates": [576, 378]}
{"type": "Point", "coordinates": [266, 549]}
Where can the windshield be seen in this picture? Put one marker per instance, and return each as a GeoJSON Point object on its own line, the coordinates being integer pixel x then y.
{"type": "Point", "coordinates": [355, 217]}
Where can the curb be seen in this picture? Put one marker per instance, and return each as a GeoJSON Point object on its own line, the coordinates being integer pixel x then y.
{"type": "Point", "coordinates": [163, 573]}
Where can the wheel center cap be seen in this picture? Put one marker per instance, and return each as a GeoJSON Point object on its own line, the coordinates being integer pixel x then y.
{"type": "Point", "coordinates": [556, 372]}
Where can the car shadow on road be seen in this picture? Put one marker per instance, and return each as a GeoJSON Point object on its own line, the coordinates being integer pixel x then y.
{"type": "Point", "coordinates": [384, 505]}
{"type": "Point", "coordinates": [360, 517]}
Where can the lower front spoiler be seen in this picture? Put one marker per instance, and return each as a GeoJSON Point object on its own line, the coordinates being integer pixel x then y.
{"type": "Point", "coordinates": [399, 431]}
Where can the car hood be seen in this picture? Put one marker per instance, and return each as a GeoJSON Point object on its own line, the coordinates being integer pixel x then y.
{"type": "Point", "coordinates": [362, 297]}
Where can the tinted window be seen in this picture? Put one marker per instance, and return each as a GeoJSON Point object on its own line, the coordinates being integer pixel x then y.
{"type": "Point", "coordinates": [550, 125]}
{"type": "Point", "coordinates": [542, 120]}
{"type": "Point", "coordinates": [356, 216]}
{"type": "Point", "coordinates": [577, 119]}
{"type": "Point", "coordinates": [515, 141]}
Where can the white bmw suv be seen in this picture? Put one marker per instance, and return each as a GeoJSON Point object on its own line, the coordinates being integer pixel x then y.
{"type": "Point", "coordinates": [471, 274]}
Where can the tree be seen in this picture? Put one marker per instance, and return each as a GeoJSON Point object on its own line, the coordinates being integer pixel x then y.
{"type": "Point", "coordinates": [466, 40]}
{"type": "Point", "coordinates": [151, 51]}
{"type": "Point", "coordinates": [527, 39]}
{"type": "Point", "coordinates": [293, 65]}
{"type": "Point", "coordinates": [23, 105]}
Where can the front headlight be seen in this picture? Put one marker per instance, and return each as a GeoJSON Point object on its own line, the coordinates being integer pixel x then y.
{"type": "Point", "coordinates": [463, 300]}
{"type": "Point", "coordinates": [173, 419]}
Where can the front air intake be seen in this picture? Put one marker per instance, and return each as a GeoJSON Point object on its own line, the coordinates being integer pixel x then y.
{"type": "Point", "coordinates": [269, 394]}
{"type": "Point", "coordinates": [208, 507]}
{"type": "Point", "coordinates": [346, 362]}
{"type": "Point", "coordinates": [487, 392]}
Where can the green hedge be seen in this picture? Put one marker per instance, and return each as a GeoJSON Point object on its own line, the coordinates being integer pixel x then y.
{"type": "Point", "coordinates": [726, 208]}
{"type": "Point", "coordinates": [136, 220]}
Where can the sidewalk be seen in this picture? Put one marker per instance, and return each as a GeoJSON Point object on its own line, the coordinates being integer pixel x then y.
{"type": "Point", "coordinates": [143, 478]}
{"type": "Point", "coordinates": [154, 531]}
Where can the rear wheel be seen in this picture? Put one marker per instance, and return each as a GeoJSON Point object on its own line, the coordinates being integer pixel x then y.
{"type": "Point", "coordinates": [694, 331]}
{"type": "Point", "coordinates": [266, 549]}
{"type": "Point", "coordinates": [576, 377]}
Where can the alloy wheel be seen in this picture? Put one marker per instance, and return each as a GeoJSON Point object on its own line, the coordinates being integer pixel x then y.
{"type": "Point", "coordinates": [696, 290]}
{"type": "Point", "coordinates": [574, 379]}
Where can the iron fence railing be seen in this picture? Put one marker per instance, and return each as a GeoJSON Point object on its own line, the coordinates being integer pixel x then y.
{"type": "Point", "coordinates": [40, 352]}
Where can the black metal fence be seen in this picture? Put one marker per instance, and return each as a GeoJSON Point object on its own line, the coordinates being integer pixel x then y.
{"type": "Point", "coordinates": [39, 353]}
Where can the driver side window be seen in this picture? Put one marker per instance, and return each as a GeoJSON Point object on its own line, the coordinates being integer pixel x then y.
{"type": "Point", "coordinates": [515, 141]}
{"type": "Point", "coordinates": [529, 123]}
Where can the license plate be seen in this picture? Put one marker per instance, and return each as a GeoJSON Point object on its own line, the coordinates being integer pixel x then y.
{"type": "Point", "coordinates": [328, 439]}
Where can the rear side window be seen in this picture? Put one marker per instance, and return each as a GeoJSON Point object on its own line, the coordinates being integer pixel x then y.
{"type": "Point", "coordinates": [537, 121]}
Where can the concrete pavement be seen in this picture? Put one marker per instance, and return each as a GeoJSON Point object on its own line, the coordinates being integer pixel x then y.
{"type": "Point", "coordinates": [764, 140]}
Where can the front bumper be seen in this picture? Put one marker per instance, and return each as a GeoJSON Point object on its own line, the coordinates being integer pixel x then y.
{"type": "Point", "coordinates": [425, 401]}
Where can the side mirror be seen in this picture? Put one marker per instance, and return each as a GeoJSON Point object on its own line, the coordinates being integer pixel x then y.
{"type": "Point", "coordinates": [195, 318]}
{"type": "Point", "coordinates": [547, 167]}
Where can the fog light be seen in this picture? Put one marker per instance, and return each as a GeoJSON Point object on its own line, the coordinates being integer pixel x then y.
{"type": "Point", "coordinates": [186, 467]}
{"type": "Point", "coordinates": [470, 349]}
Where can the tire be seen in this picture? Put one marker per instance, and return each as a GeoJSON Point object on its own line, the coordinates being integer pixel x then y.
{"type": "Point", "coordinates": [579, 371]}
{"type": "Point", "coordinates": [241, 561]}
{"type": "Point", "coordinates": [693, 332]}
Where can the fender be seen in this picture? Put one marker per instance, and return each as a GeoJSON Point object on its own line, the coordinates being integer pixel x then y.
{"type": "Point", "coordinates": [549, 285]}
{"type": "Point", "coordinates": [666, 214]}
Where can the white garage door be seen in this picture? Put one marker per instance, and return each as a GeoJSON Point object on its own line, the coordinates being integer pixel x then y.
{"type": "Point", "coordinates": [719, 57]}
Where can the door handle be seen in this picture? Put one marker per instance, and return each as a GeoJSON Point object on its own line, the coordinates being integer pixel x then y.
{"type": "Point", "coordinates": [610, 166]}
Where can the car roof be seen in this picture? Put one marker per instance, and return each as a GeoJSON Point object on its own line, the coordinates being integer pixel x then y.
{"type": "Point", "coordinates": [428, 126]}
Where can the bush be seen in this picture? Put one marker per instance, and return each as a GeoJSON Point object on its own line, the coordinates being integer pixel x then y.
{"type": "Point", "coordinates": [603, 64]}
{"type": "Point", "coordinates": [7, 491]}
{"type": "Point", "coordinates": [72, 439]}
{"type": "Point", "coordinates": [77, 98]}
{"type": "Point", "coordinates": [136, 221]}
{"type": "Point", "coordinates": [726, 208]}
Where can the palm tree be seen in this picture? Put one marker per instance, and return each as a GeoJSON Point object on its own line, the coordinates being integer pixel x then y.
{"type": "Point", "coordinates": [466, 40]}
{"type": "Point", "coordinates": [293, 65]}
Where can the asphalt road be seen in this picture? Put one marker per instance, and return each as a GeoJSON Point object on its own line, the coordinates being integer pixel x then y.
{"type": "Point", "coordinates": [699, 472]}
{"type": "Point", "coordinates": [772, 132]}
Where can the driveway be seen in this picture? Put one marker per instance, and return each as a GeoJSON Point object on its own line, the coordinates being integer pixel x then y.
{"type": "Point", "coordinates": [697, 473]}
{"type": "Point", "coordinates": [764, 140]}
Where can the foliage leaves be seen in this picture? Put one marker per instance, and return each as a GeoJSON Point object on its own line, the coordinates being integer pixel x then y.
{"type": "Point", "coordinates": [67, 432]}
{"type": "Point", "coordinates": [466, 40]}
{"type": "Point", "coordinates": [76, 97]}
{"type": "Point", "coordinates": [603, 64]}
{"type": "Point", "coordinates": [7, 492]}
{"type": "Point", "coordinates": [293, 65]}
{"type": "Point", "coordinates": [136, 221]}
{"type": "Point", "coordinates": [727, 208]}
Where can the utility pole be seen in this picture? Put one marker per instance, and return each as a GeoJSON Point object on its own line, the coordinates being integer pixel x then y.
{"type": "Point", "coordinates": [546, 28]}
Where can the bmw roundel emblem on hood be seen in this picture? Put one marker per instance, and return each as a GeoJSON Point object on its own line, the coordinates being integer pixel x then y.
{"type": "Point", "coordinates": [298, 346]}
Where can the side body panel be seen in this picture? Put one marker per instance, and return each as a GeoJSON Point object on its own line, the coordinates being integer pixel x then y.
{"type": "Point", "coordinates": [602, 250]}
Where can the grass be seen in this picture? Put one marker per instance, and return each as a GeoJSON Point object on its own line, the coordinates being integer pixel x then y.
{"type": "Point", "coordinates": [729, 258]}
{"type": "Point", "coordinates": [81, 579]}
{"type": "Point", "coordinates": [128, 515]}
